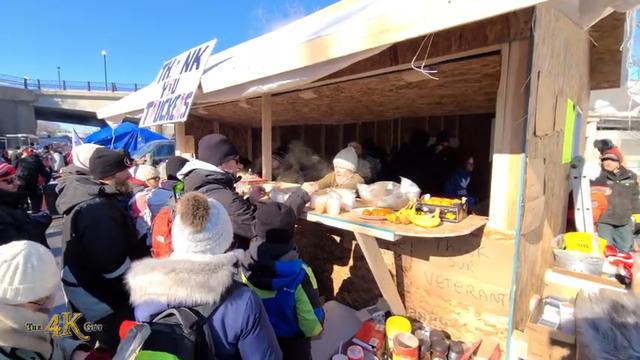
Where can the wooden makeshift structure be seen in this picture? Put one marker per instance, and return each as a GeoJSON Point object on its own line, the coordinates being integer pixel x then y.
{"type": "Point", "coordinates": [503, 85]}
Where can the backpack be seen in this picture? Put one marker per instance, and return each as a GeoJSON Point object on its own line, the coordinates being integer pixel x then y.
{"type": "Point", "coordinates": [180, 333]}
{"type": "Point", "coordinates": [161, 245]}
{"type": "Point", "coordinates": [175, 334]}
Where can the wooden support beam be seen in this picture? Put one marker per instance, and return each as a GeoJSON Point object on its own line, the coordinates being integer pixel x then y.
{"type": "Point", "coordinates": [266, 137]}
{"type": "Point", "coordinates": [341, 136]}
{"type": "Point", "coordinates": [185, 144]}
{"type": "Point", "coordinates": [323, 141]}
{"type": "Point", "coordinates": [250, 144]}
{"type": "Point", "coordinates": [508, 130]}
{"type": "Point", "coordinates": [371, 250]}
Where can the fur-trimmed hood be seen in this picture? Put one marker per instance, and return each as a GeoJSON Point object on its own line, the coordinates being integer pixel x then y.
{"type": "Point", "coordinates": [198, 280]}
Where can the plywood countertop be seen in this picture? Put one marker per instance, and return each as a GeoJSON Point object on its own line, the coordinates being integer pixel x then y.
{"type": "Point", "coordinates": [385, 230]}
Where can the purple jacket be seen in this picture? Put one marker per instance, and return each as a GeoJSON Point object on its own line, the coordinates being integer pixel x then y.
{"type": "Point", "coordinates": [240, 325]}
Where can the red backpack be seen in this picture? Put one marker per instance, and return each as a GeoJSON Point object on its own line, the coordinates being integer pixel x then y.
{"type": "Point", "coordinates": [161, 246]}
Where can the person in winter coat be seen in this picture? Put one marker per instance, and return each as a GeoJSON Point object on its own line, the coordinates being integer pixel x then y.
{"type": "Point", "coordinates": [170, 186]}
{"type": "Point", "coordinates": [15, 222]}
{"type": "Point", "coordinates": [623, 200]}
{"type": "Point", "coordinates": [457, 186]}
{"type": "Point", "coordinates": [199, 272]}
{"type": "Point", "coordinates": [32, 174]}
{"type": "Point", "coordinates": [80, 156]}
{"type": "Point", "coordinates": [28, 280]}
{"type": "Point", "coordinates": [344, 174]}
{"type": "Point", "coordinates": [285, 284]}
{"type": "Point", "coordinates": [100, 242]}
{"type": "Point", "coordinates": [213, 174]}
{"type": "Point", "coordinates": [138, 205]}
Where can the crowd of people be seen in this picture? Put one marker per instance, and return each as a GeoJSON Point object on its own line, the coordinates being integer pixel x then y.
{"type": "Point", "coordinates": [231, 259]}
{"type": "Point", "coordinates": [144, 244]}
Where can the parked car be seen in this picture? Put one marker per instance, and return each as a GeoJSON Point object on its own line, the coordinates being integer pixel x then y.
{"type": "Point", "coordinates": [155, 152]}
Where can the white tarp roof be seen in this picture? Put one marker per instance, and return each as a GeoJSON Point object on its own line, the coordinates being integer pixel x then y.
{"type": "Point", "coordinates": [620, 102]}
{"type": "Point", "coordinates": [324, 42]}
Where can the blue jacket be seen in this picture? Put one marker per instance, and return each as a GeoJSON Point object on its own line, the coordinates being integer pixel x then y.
{"type": "Point", "coordinates": [239, 325]}
{"type": "Point", "coordinates": [288, 289]}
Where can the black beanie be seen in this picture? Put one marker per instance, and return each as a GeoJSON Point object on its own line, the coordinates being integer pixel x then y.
{"type": "Point", "coordinates": [216, 149]}
{"type": "Point", "coordinates": [105, 162]}
{"type": "Point", "coordinates": [275, 223]}
{"type": "Point", "coordinates": [174, 165]}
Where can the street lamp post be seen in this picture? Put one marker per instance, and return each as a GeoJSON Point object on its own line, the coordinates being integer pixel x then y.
{"type": "Point", "coordinates": [104, 58]}
{"type": "Point", "coordinates": [59, 81]}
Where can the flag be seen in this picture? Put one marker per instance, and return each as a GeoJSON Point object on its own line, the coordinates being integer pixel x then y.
{"type": "Point", "coordinates": [76, 140]}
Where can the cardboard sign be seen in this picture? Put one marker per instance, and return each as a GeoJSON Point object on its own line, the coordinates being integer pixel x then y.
{"type": "Point", "coordinates": [175, 87]}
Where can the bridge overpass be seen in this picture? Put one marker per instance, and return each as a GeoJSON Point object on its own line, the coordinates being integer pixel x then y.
{"type": "Point", "coordinates": [24, 101]}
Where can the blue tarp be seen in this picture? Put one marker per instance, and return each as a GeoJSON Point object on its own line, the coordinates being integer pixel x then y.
{"type": "Point", "coordinates": [127, 136]}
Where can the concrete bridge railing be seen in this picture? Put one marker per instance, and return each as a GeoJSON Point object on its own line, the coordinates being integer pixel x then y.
{"type": "Point", "coordinates": [64, 85]}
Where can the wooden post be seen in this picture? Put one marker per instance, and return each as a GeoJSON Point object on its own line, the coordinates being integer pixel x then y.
{"type": "Point", "coordinates": [341, 136]}
{"type": "Point", "coordinates": [507, 137]}
{"type": "Point", "coordinates": [371, 250]}
{"type": "Point", "coordinates": [266, 137]}
{"type": "Point", "coordinates": [250, 144]}
{"type": "Point", "coordinates": [323, 140]}
{"type": "Point", "coordinates": [185, 144]}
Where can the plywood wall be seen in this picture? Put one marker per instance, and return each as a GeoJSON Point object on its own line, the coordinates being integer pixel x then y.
{"type": "Point", "coordinates": [559, 70]}
{"type": "Point", "coordinates": [460, 284]}
{"type": "Point", "coordinates": [606, 56]}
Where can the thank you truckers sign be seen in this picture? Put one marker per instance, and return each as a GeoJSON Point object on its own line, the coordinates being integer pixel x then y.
{"type": "Point", "coordinates": [175, 86]}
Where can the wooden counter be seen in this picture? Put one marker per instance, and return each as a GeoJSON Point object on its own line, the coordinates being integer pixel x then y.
{"type": "Point", "coordinates": [385, 230]}
{"type": "Point", "coordinates": [366, 232]}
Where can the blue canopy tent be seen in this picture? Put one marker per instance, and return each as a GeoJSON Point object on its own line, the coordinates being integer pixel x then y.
{"type": "Point", "coordinates": [125, 136]}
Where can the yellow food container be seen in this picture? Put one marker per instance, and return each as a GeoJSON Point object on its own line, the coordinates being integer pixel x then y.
{"type": "Point", "coordinates": [395, 325]}
{"type": "Point", "coordinates": [581, 241]}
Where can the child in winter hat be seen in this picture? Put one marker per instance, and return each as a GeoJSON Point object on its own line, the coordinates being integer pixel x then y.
{"type": "Point", "coordinates": [285, 283]}
{"type": "Point", "coordinates": [201, 227]}
{"type": "Point", "coordinates": [29, 277]}
{"type": "Point", "coordinates": [344, 175]}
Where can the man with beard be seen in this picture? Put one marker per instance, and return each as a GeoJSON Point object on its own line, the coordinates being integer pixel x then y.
{"type": "Point", "coordinates": [15, 222]}
{"type": "Point", "coordinates": [101, 243]}
{"type": "Point", "coordinates": [214, 175]}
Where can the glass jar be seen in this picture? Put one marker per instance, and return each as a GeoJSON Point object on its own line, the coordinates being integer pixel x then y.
{"type": "Point", "coordinates": [439, 349]}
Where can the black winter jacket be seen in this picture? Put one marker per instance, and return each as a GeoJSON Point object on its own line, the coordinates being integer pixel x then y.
{"type": "Point", "coordinates": [17, 224]}
{"type": "Point", "coordinates": [624, 199]}
{"type": "Point", "coordinates": [220, 186]}
{"type": "Point", "coordinates": [101, 243]}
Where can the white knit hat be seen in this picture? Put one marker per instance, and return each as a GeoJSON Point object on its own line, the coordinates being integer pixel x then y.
{"type": "Point", "coordinates": [146, 172]}
{"type": "Point", "coordinates": [201, 227]}
{"type": "Point", "coordinates": [28, 272]}
{"type": "Point", "coordinates": [82, 153]}
{"type": "Point", "coordinates": [346, 159]}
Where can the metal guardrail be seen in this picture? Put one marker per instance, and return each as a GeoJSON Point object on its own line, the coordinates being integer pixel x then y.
{"type": "Point", "coordinates": [37, 84]}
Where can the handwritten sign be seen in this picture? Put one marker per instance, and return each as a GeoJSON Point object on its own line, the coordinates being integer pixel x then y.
{"type": "Point", "coordinates": [175, 87]}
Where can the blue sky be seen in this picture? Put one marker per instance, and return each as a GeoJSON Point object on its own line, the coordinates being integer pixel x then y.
{"type": "Point", "coordinates": [37, 36]}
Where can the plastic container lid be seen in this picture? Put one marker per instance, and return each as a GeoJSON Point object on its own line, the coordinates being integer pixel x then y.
{"type": "Point", "coordinates": [355, 352]}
